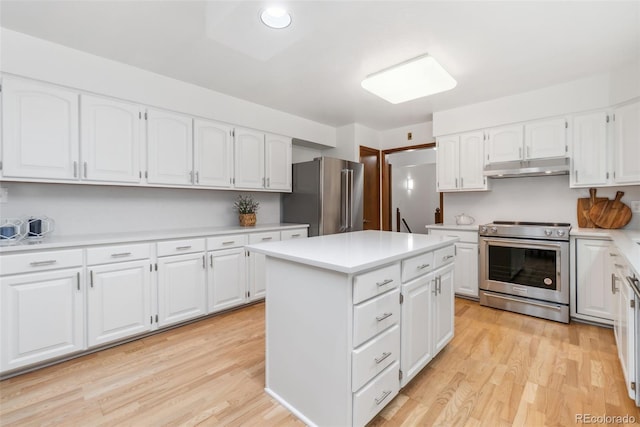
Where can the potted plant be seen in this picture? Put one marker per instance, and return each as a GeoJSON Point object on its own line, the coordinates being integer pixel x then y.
{"type": "Point", "coordinates": [246, 207]}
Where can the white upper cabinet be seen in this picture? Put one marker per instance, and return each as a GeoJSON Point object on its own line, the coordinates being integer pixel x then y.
{"type": "Point", "coordinates": [471, 165]}
{"type": "Point", "coordinates": [213, 154]}
{"type": "Point", "coordinates": [170, 148]}
{"type": "Point", "coordinates": [589, 149]}
{"type": "Point", "coordinates": [460, 162]}
{"type": "Point", "coordinates": [40, 131]}
{"type": "Point", "coordinates": [627, 144]}
{"type": "Point", "coordinates": [277, 162]}
{"type": "Point", "coordinates": [110, 140]}
{"type": "Point", "coordinates": [504, 144]}
{"type": "Point", "coordinates": [249, 159]}
{"type": "Point", "coordinates": [546, 139]}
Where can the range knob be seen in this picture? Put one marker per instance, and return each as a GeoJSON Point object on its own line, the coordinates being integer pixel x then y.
{"type": "Point", "coordinates": [483, 228]}
{"type": "Point", "coordinates": [494, 229]}
{"type": "Point", "coordinates": [560, 233]}
{"type": "Point", "coordinates": [548, 232]}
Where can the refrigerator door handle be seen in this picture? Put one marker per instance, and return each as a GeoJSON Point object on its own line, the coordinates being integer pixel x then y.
{"type": "Point", "coordinates": [344, 201]}
{"type": "Point", "coordinates": [350, 199]}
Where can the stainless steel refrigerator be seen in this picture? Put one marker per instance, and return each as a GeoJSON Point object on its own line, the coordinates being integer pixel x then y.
{"type": "Point", "coordinates": [327, 195]}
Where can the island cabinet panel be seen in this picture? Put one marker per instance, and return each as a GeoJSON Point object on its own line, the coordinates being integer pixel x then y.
{"type": "Point", "coordinates": [339, 339]}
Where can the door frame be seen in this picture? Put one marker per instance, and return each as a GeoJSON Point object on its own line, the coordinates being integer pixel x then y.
{"type": "Point", "coordinates": [386, 183]}
{"type": "Point", "coordinates": [373, 152]}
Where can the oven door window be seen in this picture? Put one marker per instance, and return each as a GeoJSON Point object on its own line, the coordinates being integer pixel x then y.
{"type": "Point", "coordinates": [524, 266]}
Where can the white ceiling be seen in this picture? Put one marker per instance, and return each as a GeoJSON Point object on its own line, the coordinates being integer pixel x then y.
{"type": "Point", "coordinates": [313, 68]}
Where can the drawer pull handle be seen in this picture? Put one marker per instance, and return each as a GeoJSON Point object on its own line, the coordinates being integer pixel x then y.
{"type": "Point", "coordinates": [295, 235]}
{"type": "Point", "coordinates": [384, 282]}
{"type": "Point", "coordinates": [267, 238]}
{"type": "Point", "coordinates": [619, 266]}
{"type": "Point", "coordinates": [181, 248]}
{"type": "Point", "coordinates": [444, 258]}
{"type": "Point", "coordinates": [121, 254]}
{"type": "Point", "coordinates": [384, 356]}
{"type": "Point", "coordinates": [610, 254]}
{"type": "Point", "coordinates": [381, 399]}
{"type": "Point", "coordinates": [230, 242]}
{"type": "Point", "coordinates": [384, 316]}
{"type": "Point", "coordinates": [423, 266]}
{"type": "Point", "coordinates": [42, 263]}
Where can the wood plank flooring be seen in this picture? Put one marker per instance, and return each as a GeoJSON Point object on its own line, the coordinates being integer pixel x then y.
{"type": "Point", "coordinates": [501, 369]}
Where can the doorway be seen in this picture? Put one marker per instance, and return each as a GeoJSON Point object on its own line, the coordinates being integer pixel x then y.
{"type": "Point", "coordinates": [409, 197]}
{"type": "Point", "coordinates": [370, 157]}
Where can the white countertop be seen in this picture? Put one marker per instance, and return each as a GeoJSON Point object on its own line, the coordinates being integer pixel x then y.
{"type": "Point", "coordinates": [353, 252]}
{"type": "Point", "coordinates": [56, 242]}
{"type": "Point", "coordinates": [627, 242]}
{"type": "Point", "coordinates": [472, 227]}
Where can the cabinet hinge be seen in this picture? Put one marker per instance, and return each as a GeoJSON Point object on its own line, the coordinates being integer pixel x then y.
{"type": "Point", "coordinates": [399, 375]}
{"type": "Point", "coordinates": [633, 385]}
{"type": "Point", "coordinates": [156, 266]}
{"type": "Point", "coordinates": [401, 298]}
{"type": "Point", "coordinates": [632, 303]}
{"type": "Point", "coordinates": [156, 318]}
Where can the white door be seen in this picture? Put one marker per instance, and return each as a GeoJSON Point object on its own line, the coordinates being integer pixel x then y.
{"type": "Point", "coordinates": [442, 307]}
{"type": "Point", "coordinates": [39, 130]}
{"type": "Point", "coordinates": [110, 140]}
{"type": "Point", "coordinates": [546, 139]}
{"type": "Point", "coordinates": [169, 148]}
{"type": "Point", "coordinates": [466, 269]}
{"type": "Point", "coordinates": [181, 288]}
{"type": "Point", "coordinates": [212, 154]}
{"type": "Point", "coordinates": [227, 279]}
{"type": "Point", "coordinates": [627, 144]}
{"type": "Point", "coordinates": [249, 159]}
{"type": "Point", "coordinates": [415, 334]}
{"type": "Point", "coordinates": [119, 301]}
{"type": "Point", "coordinates": [472, 161]}
{"type": "Point", "coordinates": [447, 160]}
{"type": "Point", "coordinates": [277, 162]}
{"type": "Point", "coordinates": [42, 317]}
{"type": "Point", "coordinates": [505, 144]}
{"type": "Point", "coordinates": [593, 280]}
{"type": "Point", "coordinates": [589, 149]}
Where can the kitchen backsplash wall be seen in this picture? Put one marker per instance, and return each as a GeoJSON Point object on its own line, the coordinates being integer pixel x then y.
{"type": "Point", "coordinates": [91, 209]}
{"type": "Point", "coordinates": [546, 198]}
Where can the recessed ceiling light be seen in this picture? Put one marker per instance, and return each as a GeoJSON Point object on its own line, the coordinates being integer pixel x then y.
{"type": "Point", "coordinates": [409, 80]}
{"type": "Point", "coordinates": [275, 17]}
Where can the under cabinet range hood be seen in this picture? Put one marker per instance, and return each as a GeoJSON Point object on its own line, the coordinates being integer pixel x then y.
{"type": "Point", "coordinates": [518, 169]}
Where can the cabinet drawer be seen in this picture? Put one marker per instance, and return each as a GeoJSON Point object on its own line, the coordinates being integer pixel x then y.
{"type": "Point", "coordinates": [463, 235]}
{"type": "Point", "coordinates": [267, 236]}
{"type": "Point", "coordinates": [371, 358]}
{"type": "Point", "coordinates": [177, 247]}
{"type": "Point", "coordinates": [444, 256]}
{"type": "Point", "coordinates": [39, 261]}
{"type": "Point", "coordinates": [417, 266]}
{"type": "Point", "coordinates": [375, 395]}
{"type": "Point", "coordinates": [227, 242]}
{"type": "Point", "coordinates": [375, 315]}
{"type": "Point", "coordinates": [118, 253]}
{"type": "Point", "coordinates": [375, 282]}
{"type": "Point", "coordinates": [293, 234]}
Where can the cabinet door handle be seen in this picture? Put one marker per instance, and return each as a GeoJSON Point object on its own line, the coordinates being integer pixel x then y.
{"type": "Point", "coordinates": [384, 282]}
{"type": "Point", "coordinates": [423, 266]}
{"type": "Point", "coordinates": [268, 182]}
{"type": "Point", "coordinates": [383, 316]}
{"type": "Point", "coordinates": [75, 169]}
{"type": "Point", "coordinates": [120, 255]}
{"type": "Point", "coordinates": [381, 358]}
{"type": "Point", "coordinates": [204, 263]}
{"type": "Point", "coordinates": [528, 151]}
{"type": "Point", "coordinates": [384, 395]}
{"type": "Point", "coordinates": [42, 263]}
{"type": "Point", "coordinates": [91, 277]}
{"type": "Point", "coordinates": [456, 182]}
{"type": "Point", "coordinates": [439, 284]}
{"type": "Point", "coordinates": [78, 281]}
{"type": "Point", "coordinates": [182, 248]}
{"type": "Point", "coordinates": [613, 283]}
{"type": "Point", "coordinates": [197, 177]}
{"type": "Point", "coordinates": [85, 169]}
{"type": "Point", "coordinates": [520, 152]}
{"type": "Point", "coordinates": [461, 182]}
{"type": "Point", "coordinates": [211, 261]}
{"type": "Point", "coordinates": [435, 286]}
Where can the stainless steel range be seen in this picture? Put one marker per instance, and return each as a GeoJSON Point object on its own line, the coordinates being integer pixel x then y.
{"type": "Point", "coordinates": [524, 267]}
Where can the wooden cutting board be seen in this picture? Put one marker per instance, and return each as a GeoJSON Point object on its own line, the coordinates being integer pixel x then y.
{"type": "Point", "coordinates": [584, 206]}
{"type": "Point", "coordinates": [610, 213]}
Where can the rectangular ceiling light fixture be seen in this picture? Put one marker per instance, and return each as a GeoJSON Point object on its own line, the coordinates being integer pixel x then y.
{"type": "Point", "coordinates": [409, 80]}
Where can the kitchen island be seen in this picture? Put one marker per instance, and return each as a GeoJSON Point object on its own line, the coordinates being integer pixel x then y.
{"type": "Point", "coordinates": [351, 318]}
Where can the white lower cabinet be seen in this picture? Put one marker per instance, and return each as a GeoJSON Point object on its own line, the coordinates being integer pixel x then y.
{"type": "Point", "coordinates": [257, 281]}
{"type": "Point", "coordinates": [466, 265]}
{"type": "Point", "coordinates": [624, 322]}
{"type": "Point", "coordinates": [118, 301]}
{"type": "Point", "coordinates": [226, 279]}
{"type": "Point", "coordinates": [442, 307]}
{"type": "Point", "coordinates": [42, 316]}
{"type": "Point", "coordinates": [181, 288]}
{"type": "Point", "coordinates": [594, 300]}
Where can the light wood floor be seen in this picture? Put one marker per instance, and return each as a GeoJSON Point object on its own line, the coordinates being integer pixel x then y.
{"type": "Point", "coordinates": [500, 369]}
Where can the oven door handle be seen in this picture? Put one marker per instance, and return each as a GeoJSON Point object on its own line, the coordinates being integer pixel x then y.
{"type": "Point", "coordinates": [553, 307]}
{"type": "Point", "coordinates": [523, 243]}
